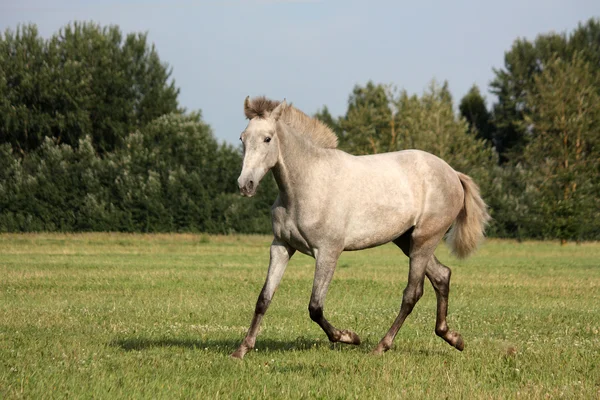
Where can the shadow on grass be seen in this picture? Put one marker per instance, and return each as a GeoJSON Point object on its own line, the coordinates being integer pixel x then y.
{"type": "Point", "coordinates": [227, 346]}
{"type": "Point", "coordinates": [223, 346]}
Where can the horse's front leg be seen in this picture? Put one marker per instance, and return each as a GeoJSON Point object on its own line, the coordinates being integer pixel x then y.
{"type": "Point", "coordinates": [325, 266]}
{"type": "Point", "coordinates": [280, 255]}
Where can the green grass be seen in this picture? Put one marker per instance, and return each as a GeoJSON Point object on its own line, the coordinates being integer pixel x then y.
{"type": "Point", "coordinates": [156, 316]}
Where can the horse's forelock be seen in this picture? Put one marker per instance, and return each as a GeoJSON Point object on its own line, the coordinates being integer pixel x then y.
{"type": "Point", "coordinates": [259, 107]}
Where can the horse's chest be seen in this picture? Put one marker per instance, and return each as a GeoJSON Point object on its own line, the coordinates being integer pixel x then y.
{"type": "Point", "coordinates": [286, 228]}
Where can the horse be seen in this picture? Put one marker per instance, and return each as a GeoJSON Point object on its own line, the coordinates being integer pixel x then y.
{"type": "Point", "coordinates": [330, 201]}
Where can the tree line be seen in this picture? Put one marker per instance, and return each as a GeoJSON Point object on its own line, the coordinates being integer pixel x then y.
{"type": "Point", "coordinates": [92, 138]}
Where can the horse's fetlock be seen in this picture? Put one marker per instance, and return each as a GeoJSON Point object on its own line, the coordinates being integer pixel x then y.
{"type": "Point", "coordinates": [441, 330]}
{"type": "Point", "coordinates": [316, 312]}
{"type": "Point", "coordinates": [385, 344]}
{"type": "Point", "coordinates": [249, 343]}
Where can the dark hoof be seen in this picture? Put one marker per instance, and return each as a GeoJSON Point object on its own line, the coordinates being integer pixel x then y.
{"type": "Point", "coordinates": [238, 354]}
{"type": "Point", "coordinates": [349, 337]}
{"type": "Point", "coordinates": [377, 351]}
{"type": "Point", "coordinates": [383, 346]}
{"type": "Point", "coordinates": [453, 339]}
{"type": "Point", "coordinates": [460, 344]}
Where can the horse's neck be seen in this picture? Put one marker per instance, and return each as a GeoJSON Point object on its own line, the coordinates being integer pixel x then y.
{"type": "Point", "coordinates": [296, 157]}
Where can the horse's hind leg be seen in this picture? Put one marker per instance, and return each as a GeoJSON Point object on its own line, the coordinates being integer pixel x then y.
{"type": "Point", "coordinates": [439, 275]}
{"type": "Point", "coordinates": [412, 294]}
{"type": "Point", "coordinates": [325, 266]}
{"type": "Point", "coordinates": [420, 250]}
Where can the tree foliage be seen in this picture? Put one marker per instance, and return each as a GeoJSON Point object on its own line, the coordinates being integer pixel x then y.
{"type": "Point", "coordinates": [83, 81]}
{"type": "Point", "coordinates": [367, 126]}
{"type": "Point", "coordinates": [516, 81]}
{"type": "Point", "coordinates": [474, 110]}
{"type": "Point", "coordinates": [563, 152]}
{"type": "Point", "coordinates": [170, 176]}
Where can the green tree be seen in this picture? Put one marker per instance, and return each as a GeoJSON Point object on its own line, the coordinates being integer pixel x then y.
{"type": "Point", "coordinates": [84, 80]}
{"type": "Point", "coordinates": [474, 110]}
{"type": "Point", "coordinates": [25, 89]}
{"type": "Point", "coordinates": [169, 175]}
{"type": "Point", "coordinates": [367, 127]}
{"type": "Point", "coordinates": [53, 188]}
{"type": "Point", "coordinates": [563, 152]}
{"type": "Point", "coordinates": [172, 175]}
{"type": "Point", "coordinates": [516, 81]}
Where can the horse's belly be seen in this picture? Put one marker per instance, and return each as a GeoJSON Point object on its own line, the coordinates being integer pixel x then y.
{"type": "Point", "coordinates": [376, 227]}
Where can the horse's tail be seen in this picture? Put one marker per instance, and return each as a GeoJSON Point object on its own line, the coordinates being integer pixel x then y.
{"type": "Point", "coordinates": [468, 228]}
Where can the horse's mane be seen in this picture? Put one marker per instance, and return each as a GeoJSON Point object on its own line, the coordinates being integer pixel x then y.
{"type": "Point", "coordinates": [311, 128]}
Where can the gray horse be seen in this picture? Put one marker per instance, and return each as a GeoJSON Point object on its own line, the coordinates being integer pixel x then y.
{"type": "Point", "coordinates": [330, 201]}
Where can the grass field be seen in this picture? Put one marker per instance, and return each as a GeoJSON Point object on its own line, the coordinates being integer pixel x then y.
{"type": "Point", "coordinates": [156, 316]}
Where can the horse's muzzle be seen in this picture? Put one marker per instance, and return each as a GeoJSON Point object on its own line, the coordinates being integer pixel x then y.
{"type": "Point", "coordinates": [247, 189]}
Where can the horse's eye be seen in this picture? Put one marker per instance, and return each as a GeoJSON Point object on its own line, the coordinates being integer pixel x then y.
{"type": "Point", "coordinates": [267, 139]}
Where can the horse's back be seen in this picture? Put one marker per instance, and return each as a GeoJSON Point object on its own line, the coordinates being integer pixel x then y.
{"type": "Point", "coordinates": [406, 171]}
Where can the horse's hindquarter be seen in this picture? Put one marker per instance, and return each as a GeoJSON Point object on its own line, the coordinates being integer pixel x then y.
{"type": "Point", "coordinates": [390, 193]}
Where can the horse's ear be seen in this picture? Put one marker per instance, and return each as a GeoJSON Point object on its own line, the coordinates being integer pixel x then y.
{"type": "Point", "coordinates": [276, 113]}
{"type": "Point", "coordinates": [247, 109]}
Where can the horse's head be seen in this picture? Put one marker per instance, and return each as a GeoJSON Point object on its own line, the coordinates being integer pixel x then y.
{"type": "Point", "coordinates": [261, 145]}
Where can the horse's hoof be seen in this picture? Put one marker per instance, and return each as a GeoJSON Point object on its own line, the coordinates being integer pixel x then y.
{"type": "Point", "coordinates": [455, 340]}
{"type": "Point", "coordinates": [238, 354]}
{"type": "Point", "coordinates": [378, 351]}
{"type": "Point", "coordinates": [349, 337]}
{"type": "Point", "coordinates": [460, 344]}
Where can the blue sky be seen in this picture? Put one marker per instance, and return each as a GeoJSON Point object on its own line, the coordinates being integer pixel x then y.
{"type": "Point", "coordinates": [313, 52]}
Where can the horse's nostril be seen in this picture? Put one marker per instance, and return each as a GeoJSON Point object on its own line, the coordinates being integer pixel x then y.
{"type": "Point", "coordinates": [250, 184]}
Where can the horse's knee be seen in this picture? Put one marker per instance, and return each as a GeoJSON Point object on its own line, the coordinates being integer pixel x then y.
{"type": "Point", "coordinates": [412, 295]}
{"type": "Point", "coordinates": [262, 304]}
{"type": "Point", "coordinates": [315, 311]}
